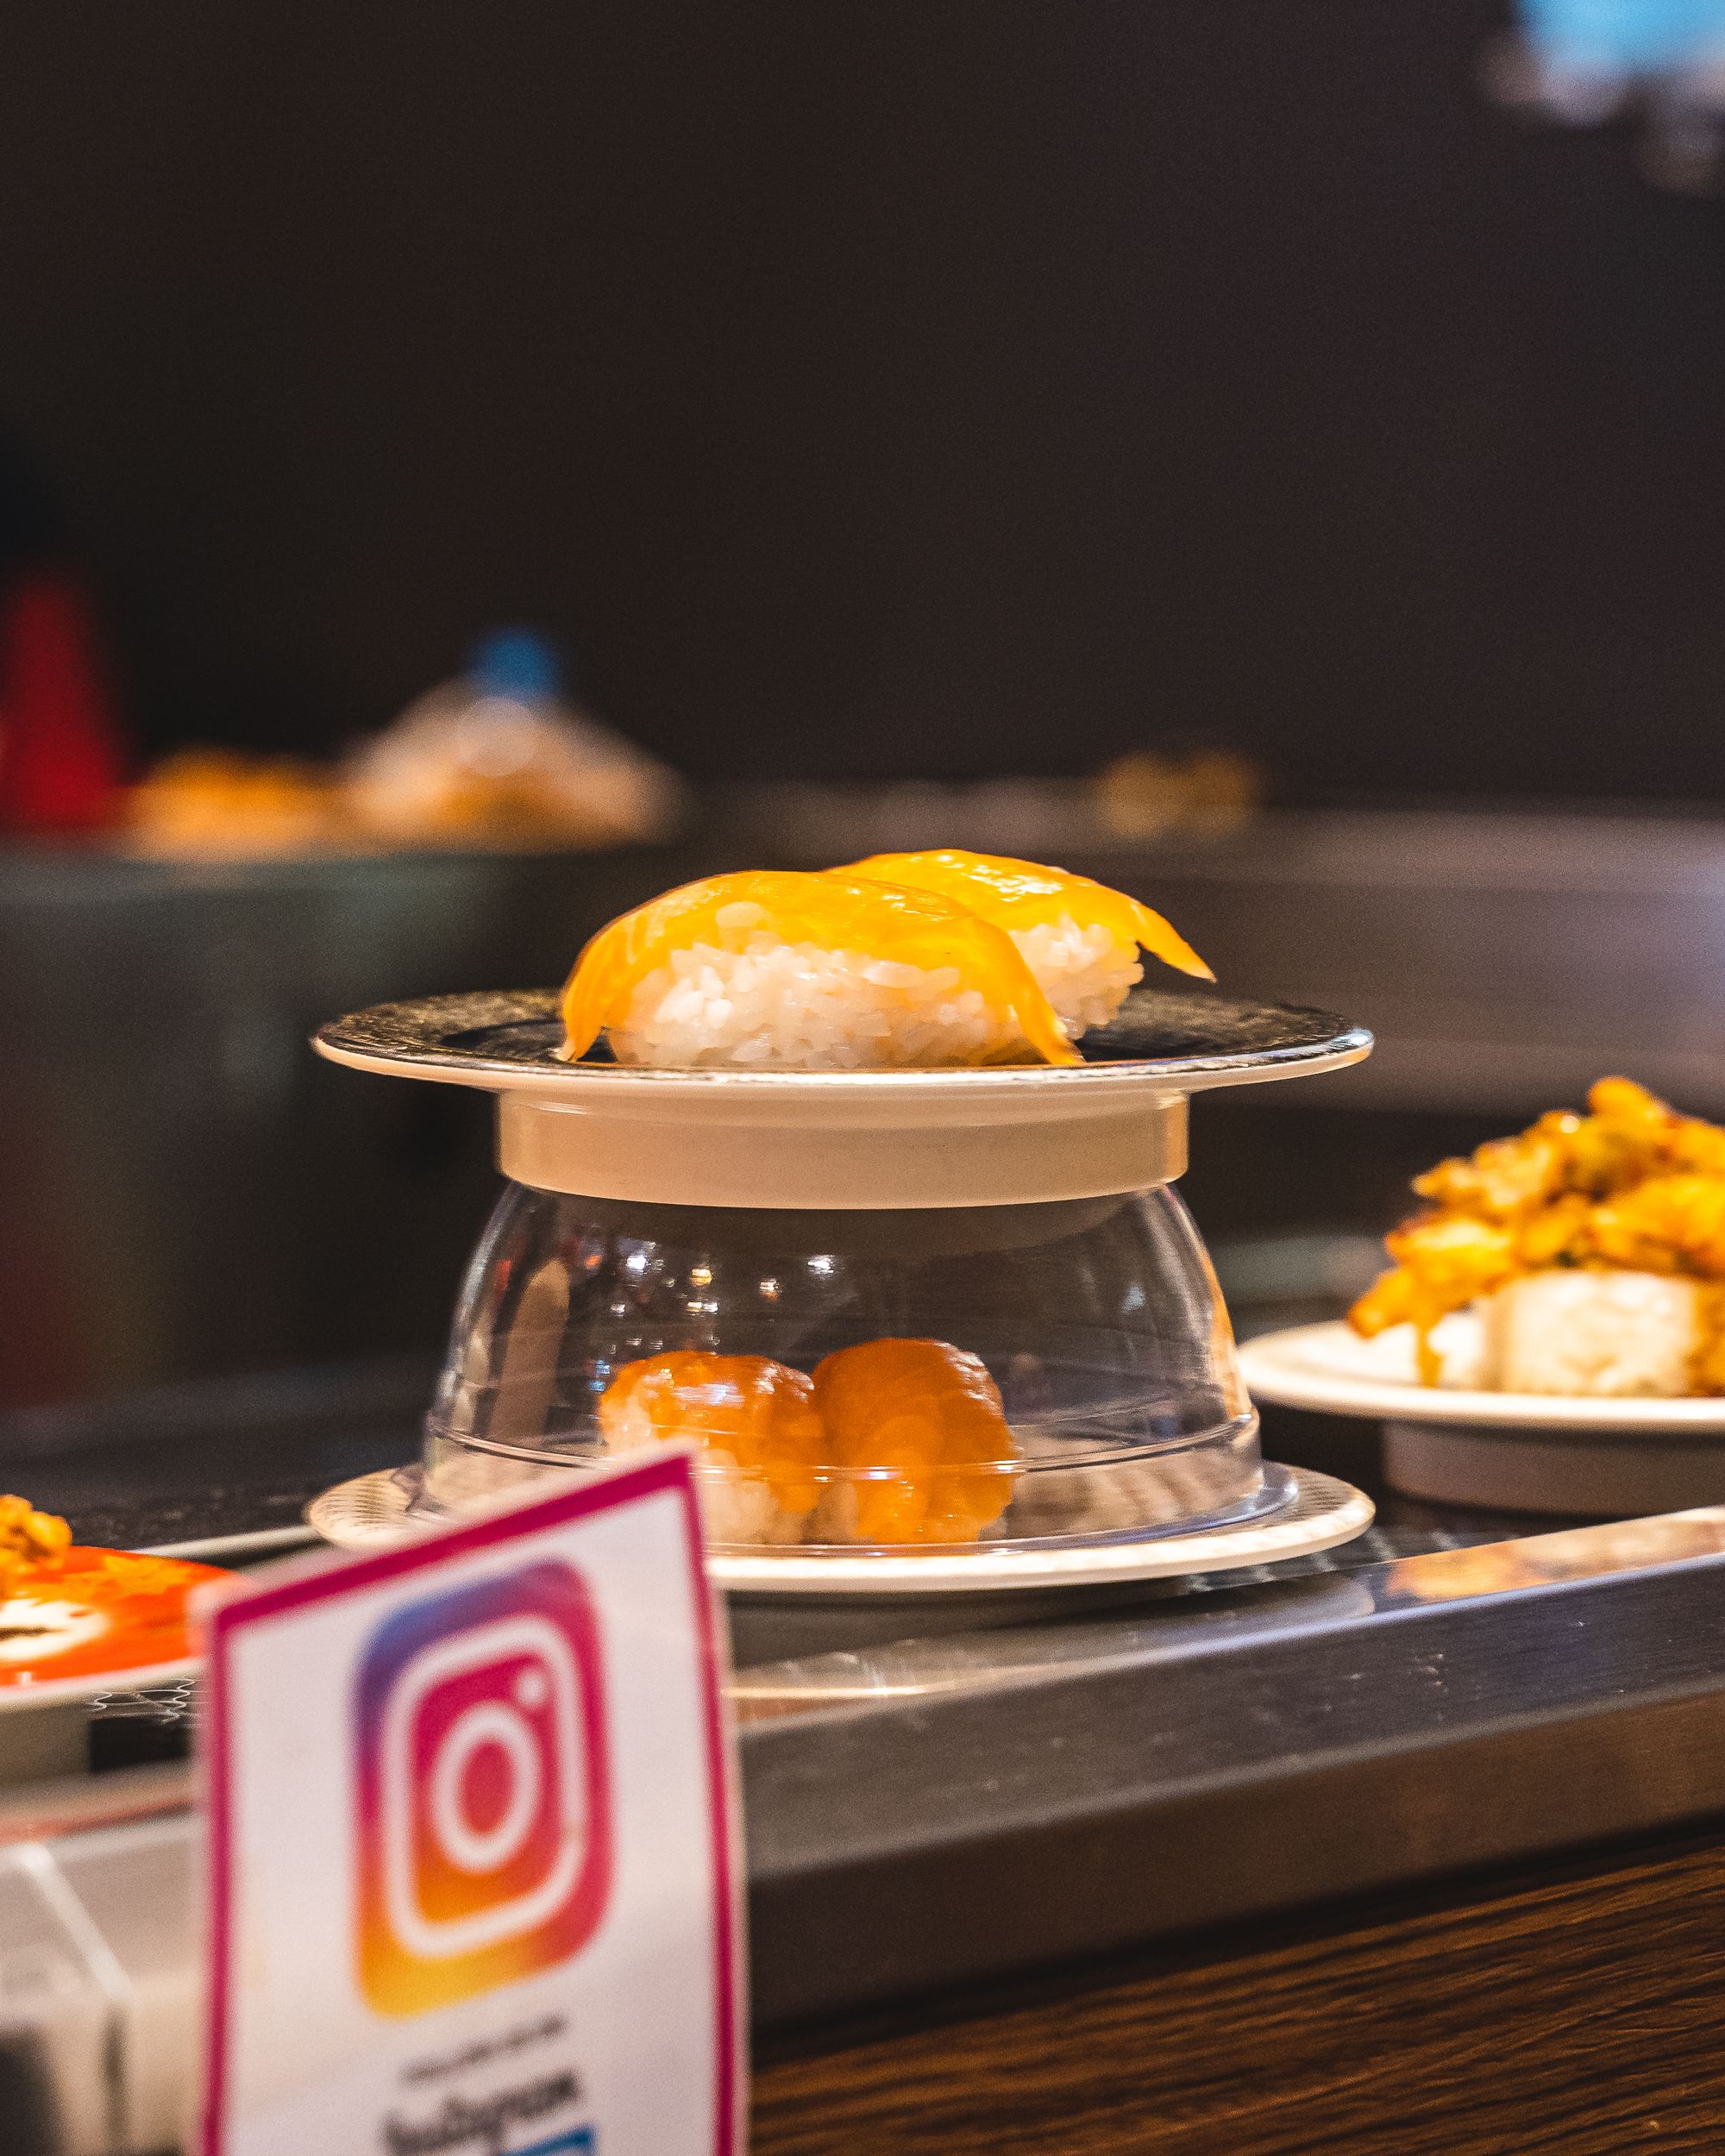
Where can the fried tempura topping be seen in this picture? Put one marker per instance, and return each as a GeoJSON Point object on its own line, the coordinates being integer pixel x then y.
{"type": "Point", "coordinates": [27, 1535]}
{"type": "Point", "coordinates": [1631, 1185]}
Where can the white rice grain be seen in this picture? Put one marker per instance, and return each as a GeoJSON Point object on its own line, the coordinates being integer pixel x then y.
{"type": "Point", "coordinates": [1604, 1334]}
{"type": "Point", "coordinates": [798, 1006]}
{"type": "Point", "coordinates": [1085, 972]}
{"type": "Point", "coordinates": [736, 1507]}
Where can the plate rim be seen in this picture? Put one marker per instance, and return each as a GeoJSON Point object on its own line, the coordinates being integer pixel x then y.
{"type": "Point", "coordinates": [360, 1043]}
{"type": "Point", "coordinates": [1269, 1540]}
{"type": "Point", "coordinates": [1275, 1374]}
{"type": "Point", "coordinates": [67, 1691]}
{"type": "Point", "coordinates": [261, 1542]}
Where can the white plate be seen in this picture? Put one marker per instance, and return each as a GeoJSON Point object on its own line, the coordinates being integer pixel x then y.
{"type": "Point", "coordinates": [372, 1511]}
{"type": "Point", "coordinates": [1330, 1369]}
{"type": "Point", "coordinates": [215, 1550]}
{"type": "Point", "coordinates": [846, 1139]}
{"type": "Point", "coordinates": [44, 1725]}
{"type": "Point", "coordinates": [67, 1691]}
{"type": "Point", "coordinates": [1173, 1040]}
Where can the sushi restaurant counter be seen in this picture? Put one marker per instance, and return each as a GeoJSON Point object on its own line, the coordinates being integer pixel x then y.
{"type": "Point", "coordinates": [1426, 1830]}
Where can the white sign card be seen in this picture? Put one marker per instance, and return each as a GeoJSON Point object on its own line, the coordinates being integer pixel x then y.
{"type": "Point", "coordinates": [472, 1872]}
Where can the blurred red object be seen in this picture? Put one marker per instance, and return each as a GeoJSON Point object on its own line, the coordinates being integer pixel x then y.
{"type": "Point", "coordinates": [62, 765]}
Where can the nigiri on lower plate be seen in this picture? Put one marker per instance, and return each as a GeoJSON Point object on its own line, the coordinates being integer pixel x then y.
{"type": "Point", "coordinates": [894, 1442]}
{"type": "Point", "coordinates": [921, 1442]}
{"type": "Point", "coordinates": [753, 1422]}
{"type": "Point", "coordinates": [774, 970]}
{"type": "Point", "coordinates": [1080, 939]}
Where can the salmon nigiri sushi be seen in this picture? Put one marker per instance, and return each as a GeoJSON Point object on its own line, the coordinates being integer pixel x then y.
{"type": "Point", "coordinates": [755, 1423]}
{"type": "Point", "coordinates": [771, 969]}
{"type": "Point", "coordinates": [922, 1445]}
{"type": "Point", "coordinates": [1077, 937]}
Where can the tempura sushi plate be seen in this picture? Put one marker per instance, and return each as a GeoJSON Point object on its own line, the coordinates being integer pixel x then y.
{"type": "Point", "coordinates": [1560, 1294]}
{"type": "Point", "coordinates": [1518, 1452]}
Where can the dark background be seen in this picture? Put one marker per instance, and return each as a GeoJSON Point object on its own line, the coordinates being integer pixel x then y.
{"type": "Point", "coordinates": [869, 389]}
{"type": "Point", "coordinates": [878, 388]}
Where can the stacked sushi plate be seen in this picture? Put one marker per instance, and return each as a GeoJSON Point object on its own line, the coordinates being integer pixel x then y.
{"type": "Point", "coordinates": [859, 1184]}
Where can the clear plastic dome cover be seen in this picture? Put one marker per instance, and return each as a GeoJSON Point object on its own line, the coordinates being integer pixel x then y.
{"type": "Point", "coordinates": [1034, 1374]}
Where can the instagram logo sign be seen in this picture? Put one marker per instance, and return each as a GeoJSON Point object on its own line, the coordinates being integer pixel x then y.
{"type": "Point", "coordinates": [483, 1815]}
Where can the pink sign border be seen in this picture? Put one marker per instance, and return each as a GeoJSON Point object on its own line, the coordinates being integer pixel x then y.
{"type": "Point", "coordinates": [255, 1605]}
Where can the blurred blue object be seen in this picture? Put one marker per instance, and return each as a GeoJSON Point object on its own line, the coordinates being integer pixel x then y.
{"type": "Point", "coordinates": [1626, 37]}
{"type": "Point", "coordinates": [1581, 61]}
{"type": "Point", "coordinates": [519, 663]}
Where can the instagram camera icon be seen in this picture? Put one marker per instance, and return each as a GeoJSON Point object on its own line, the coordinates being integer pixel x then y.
{"type": "Point", "coordinates": [483, 1815]}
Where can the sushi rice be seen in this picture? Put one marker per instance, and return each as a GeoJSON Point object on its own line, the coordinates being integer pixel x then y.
{"type": "Point", "coordinates": [777, 969]}
{"type": "Point", "coordinates": [1596, 1334]}
{"type": "Point", "coordinates": [1604, 1334]}
{"type": "Point", "coordinates": [801, 1006]}
{"type": "Point", "coordinates": [737, 1504]}
{"type": "Point", "coordinates": [1086, 972]}
{"type": "Point", "coordinates": [752, 1421]}
{"type": "Point", "coordinates": [1079, 939]}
